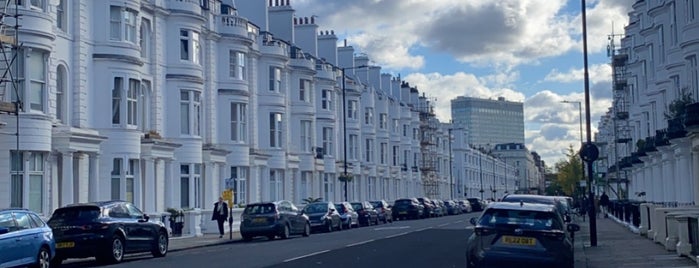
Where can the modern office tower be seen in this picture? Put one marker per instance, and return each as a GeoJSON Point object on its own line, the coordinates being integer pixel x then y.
{"type": "Point", "coordinates": [488, 121]}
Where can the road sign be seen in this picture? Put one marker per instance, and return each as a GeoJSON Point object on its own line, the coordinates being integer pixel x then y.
{"type": "Point", "coordinates": [228, 196]}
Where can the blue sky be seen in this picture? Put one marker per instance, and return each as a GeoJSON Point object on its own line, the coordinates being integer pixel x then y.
{"type": "Point", "coordinates": [524, 50]}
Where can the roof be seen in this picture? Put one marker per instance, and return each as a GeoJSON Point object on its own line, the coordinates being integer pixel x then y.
{"type": "Point", "coordinates": [96, 203]}
{"type": "Point", "coordinates": [523, 206]}
{"type": "Point", "coordinates": [529, 197]}
{"type": "Point", "coordinates": [13, 209]}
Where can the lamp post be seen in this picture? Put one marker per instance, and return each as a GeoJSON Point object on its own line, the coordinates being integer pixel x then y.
{"type": "Point", "coordinates": [451, 165]}
{"type": "Point", "coordinates": [345, 177]}
{"type": "Point", "coordinates": [582, 162]}
{"type": "Point", "coordinates": [588, 152]}
{"type": "Point", "coordinates": [480, 168]}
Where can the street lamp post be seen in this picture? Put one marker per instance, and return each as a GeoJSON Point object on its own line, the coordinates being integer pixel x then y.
{"type": "Point", "coordinates": [582, 162]}
{"type": "Point", "coordinates": [451, 165]}
{"type": "Point", "coordinates": [345, 175]}
{"type": "Point", "coordinates": [480, 168]}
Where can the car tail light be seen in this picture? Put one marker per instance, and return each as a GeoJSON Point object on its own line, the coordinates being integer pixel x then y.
{"type": "Point", "coordinates": [481, 231]}
{"type": "Point", "coordinates": [554, 235]}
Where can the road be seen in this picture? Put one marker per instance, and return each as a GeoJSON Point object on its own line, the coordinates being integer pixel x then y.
{"type": "Point", "coordinates": [435, 242]}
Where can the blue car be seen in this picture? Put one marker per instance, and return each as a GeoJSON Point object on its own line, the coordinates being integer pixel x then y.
{"type": "Point", "coordinates": [25, 239]}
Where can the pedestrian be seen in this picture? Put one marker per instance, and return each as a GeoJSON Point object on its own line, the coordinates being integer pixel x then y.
{"type": "Point", "coordinates": [604, 203]}
{"type": "Point", "coordinates": [220, 215]}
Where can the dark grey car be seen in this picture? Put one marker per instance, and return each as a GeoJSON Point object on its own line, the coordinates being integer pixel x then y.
{"type": "Point", "coordinates": [520, 234]}
{"type": "Point", "coordinates": [273, 219]}
{"type": "Point", "coordinates": [323, 216]}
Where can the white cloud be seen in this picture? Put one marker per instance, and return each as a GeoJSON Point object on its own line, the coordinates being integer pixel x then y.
{"type": "Point", "coordinates": [596, 72]}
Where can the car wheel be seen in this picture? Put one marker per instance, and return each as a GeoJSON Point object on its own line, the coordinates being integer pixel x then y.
{"type": "Point", "coordinates": [115, 253]}
{"type": "Point", "coordinates": [43, 259]}
{"type": "Point", "coordinates": [161, 245]}
{"type": "Point", "coordinates": [307, 230]}
{"type": "Point", "coordinates": [285, 232]}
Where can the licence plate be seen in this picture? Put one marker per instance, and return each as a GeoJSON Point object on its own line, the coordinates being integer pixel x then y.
{"type": "Point", "coordinates": [403, 212]}
{"type": "Point", "coordinates": [518, 240]}
{"type": "Point", "coordinates": [259, 220]}
{"type": "Point", "coordinates": [65, 244]}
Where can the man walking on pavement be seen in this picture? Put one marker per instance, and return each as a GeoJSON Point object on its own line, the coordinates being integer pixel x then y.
{"type": "Point", "coordinates": [604, 203]}
{"type": "Point", "coordinates": [220, 215]}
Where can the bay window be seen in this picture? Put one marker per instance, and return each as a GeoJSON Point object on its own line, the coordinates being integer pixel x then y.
{"type": "Point", "coordinates": [31, 77]}
{"type": "Point", "coordinates": [190, 49]}
{"type": "Point", "coordinates": [305, 90]}
{"type": "Point", "coordinates": [352, 109]}
{"type": "Point", "coordinates": [306, 136]}
{"type": "Point", "coordinates": [239, 127]}
{"type": "Point", "coordinates": [275, 130]}
{"type": "Point", "coordinates": [122, 23]}
{"type": "Point", "coordinates": [27, 180]}
{"type": "Point", "coordinates": [275, 79]}
{"type": "Point", "coordinates": [326, 101]}
{"type": "Point", "coordinates": [190, 186]}
{"type": "Point", "coordinates": [236, 62]}
{"type": "Point", "coordinates": [328, 141]}
{"type": "Point", "coordinates": [190, 112]}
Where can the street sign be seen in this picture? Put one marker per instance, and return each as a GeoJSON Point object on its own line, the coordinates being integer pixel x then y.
{"type": "Point", "coordinates": [228, 196]}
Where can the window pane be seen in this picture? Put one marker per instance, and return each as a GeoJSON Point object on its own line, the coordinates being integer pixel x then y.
{"type": "Point", "coordinates": [115, 23]}
{"type": "Point", "coordinates": [17, 190]}
{"type": "Point", "coordinates": [184, 118]}
{"type": "Point", "coordinates": [184, 192]}
{"type": "Point", "coordinates": [116, 188]}
{"type": "Point", "coordinates": [36, 193]}
{"type": "Point", "coordinates": [129, 189]}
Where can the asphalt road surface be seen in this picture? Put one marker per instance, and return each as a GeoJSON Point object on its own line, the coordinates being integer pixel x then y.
{"type": "Point", "coordinates": [435, 242]}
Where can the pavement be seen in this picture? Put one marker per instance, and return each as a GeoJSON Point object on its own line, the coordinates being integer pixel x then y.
{"type": "Point", "coordinates": [620, 245]}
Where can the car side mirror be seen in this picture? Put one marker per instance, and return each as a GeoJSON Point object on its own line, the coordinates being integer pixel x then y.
{"type": "Point", "coordinates": [144, 218]}
{"type": "Point", "coordinates": [473, 220]}
{"type": "Point", "coordinates": [573, 227]}
{"type": "Point", "coordinates": [4, 230]}
{"type": "Point", "coordinates": [567, 218]}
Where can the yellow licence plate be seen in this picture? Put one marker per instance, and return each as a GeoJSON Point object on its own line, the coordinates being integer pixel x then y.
{"type": "Point", "coordinates": [518, 240]}
{"type": "Point", "coordinates": [65, 244]}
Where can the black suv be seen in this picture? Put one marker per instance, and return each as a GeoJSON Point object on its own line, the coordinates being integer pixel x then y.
{"type": "Point", "coordinates": [407, 208]}
{"type": "Point", "coordinates": [429, 210]}
{"type": "Point", "coordinates": [106, 230]}
{"type": "Point", "coordinates": [273, 219]}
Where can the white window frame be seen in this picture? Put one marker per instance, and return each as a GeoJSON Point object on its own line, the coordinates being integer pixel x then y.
{"type": "Point", "coordinates": [276, 124]}
{"type": "Point", "coordinates": [144, 38]}
{"type": "Point", "coordinates": [239, 119]}
{"type": "Point", "coordinates": [236, 65]}
{"type": "Point", "coordinates": [61, 16]}
{"type": "Point", "coordinates": [240, 175]}
{"type": "Point", "coordinates": [276, 184]}
{"type": "Point", "coordinates": [190, 185]}
{"type": "Point", "coordinates": [305, 90]}
{"type": "Point", "coordinates": [383, 151]}
{"type": "Point", "coordinates": [368, 116]}
{"type": "Point", "coordinates": [61, 94]}
{"type": "Point", "coordinates": [117, 89]}
{"type": "Point", "coordinates": [133, 96]}
{"type": "Point", "coordinates": [328, 144]}
{"type": "Point", "coordinates": [275, 79]}
{"type": "Point", "coordinates": [328, 186]}
{"type": "Point", "coordinates": [190, 46]}
{"type": "Point", "coordinates": [190, 112]}
{"type": "Point", "coordinates": [122, 23]}
{"type": "Point", "coordinates": [396, 155]}
{"type": "Point", "coordinates": [32, 94]}
{"type": "Point", "coordinates": [145, 105]}
{"type": "Point", "coordinates": [306, 135]}
{"type": "Point", "coordinates": [369, 150]}
{"type": "Point", "coordinates": [383, 121]}
{"type": "Point", "coordinates": [27, 173]}
{"type": "Point", "coordinates": [326, 100]}
{"type": "Point", "coordinates": [353, 146]}
{"type": "Point", "coordinates": [115, 183]}
{"type": "Point", "coordinates": [352, 109]}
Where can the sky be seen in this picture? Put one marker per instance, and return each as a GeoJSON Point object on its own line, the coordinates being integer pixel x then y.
{"type": "Point", "coordinates": [529, 51]}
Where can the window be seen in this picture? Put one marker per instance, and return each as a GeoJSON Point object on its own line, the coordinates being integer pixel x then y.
{"type": "Point", "coordinates": [396, 150]}
{"type": "Point", "coordinates": [61, 100]}
{"type": "Point", "coordinates": [383, 121]}
{"type": "Point", "coordinates": [690, 10]}
{"type": "Point", "coordinates": [129, 178]}
{"type": "Point", "coordinates": [116, 179]}
{"type": "Point", "coordinates": [122, 24]}
{"type": "Point", "coordinates": [326, 99]}
{"type": "Point", "coordinates": [306, 136]}
{"type": "Point", "coordinates": [61, 17]}
{"type": "Point", "coordinates": [240, 174]}
{"type": "Point", "coordinates": [116, 100]}
{"type": "Point", "coordinates": [383, 151]}
{"type": "Point", "coordinates": [369, 150]}
{"type": "Point", "coordinates": [328, 141]}
{"type": "Point", "coordinates": [239, 127]}
{"type": "Point", "coordinates": [144, 38]}
{"type": "Point", "coordinates": [189, 46]}
{"type": "Point", "coordinates": [275, 79]}
{"type": "Point", "coordinates": [405, 130]}
{"type": "Point", "coordinates": [276, 182]}
{"type": "Point", "coordinates": [38, 4]}
{"type": "Point", "coordinates": [396, 126]}
{"type": "Point", "coordinates": [275, 130]}
{"type": "Point", "coordinates": [190, 185]}
{"type": "Point", "coordinates": [27, 177]}
{"type": "Point", "coordinates": [303, 188]}
{"type": "Point", "coordinates": [353, 146]}
{"type": "Point", "coordinates": [369, 116]}
{"type": "Point", "coordinates": [352, 109]}
{"type": "Point", "coordinates": [305, 90]}
{"type": "Point", "coordinates": [132, 97]}
{"type": "Point", "coordinates": [144, 104]}
{"type": "Point", "coordinates": [328, 186]}
{"type": "Point", "coordinates": [31, 77]}
{"type": "Point", "coordinates": [236, 64]}
{"type": "Point", "coordinates": [190, 112]}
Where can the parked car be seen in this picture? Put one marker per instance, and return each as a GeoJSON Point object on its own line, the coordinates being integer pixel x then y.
{"type": "Point", "coordinates": [465, 206]}
{"type": "Point", "coordinates": [439, 208]}
{"type": "Point", "coordinates": [272, 219]}
{"type": "Point", "coordinates": [476, 204]}
{"type": "Point", "coordinates": [559, 203]}
{"type": "Point", "coordinates": [520, 234]}
{"type": "Point", "coordinates": [106, 230]}
{"type": "Point", "coordinates": [383, 209]}
{"type": "Point", "coordinates": [452, 207]}
{"type": "Point", "coordinates": [25, 239]}
{"type": "Point", "coordinates": [323, 216]}
{"type": "Point", "coordinates": [428, 206]}
{"type": "Point", "coordinates": [367, 213]}
{"type": "Point", "coordinates": [407, 208]}
{"type": "Point", "coordinates": [349, 217]}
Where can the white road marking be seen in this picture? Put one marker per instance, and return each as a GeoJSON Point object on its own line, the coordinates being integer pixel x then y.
{"type": "Point", "coordinates": [443, 224]}
{"type": "Point", "coordinates": [470, 227]}
{"type": "Point", "coordinates": [396, 235]}
{"type": "Point", "coordinates": [307, 255]}
{"type": "Point", "coordinates": [359, 243]}
{"type": "Point", "coordinates": [391, 228]}
{"type": "Point", "coordinates": [420, 230]}
{"type": "Point", "coordinates": [458, 221]}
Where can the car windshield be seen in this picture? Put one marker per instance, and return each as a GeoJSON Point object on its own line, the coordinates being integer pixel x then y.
{"type": "Point", "coordinates": [532, 220]}
{"type": "Point", "coordinates": [83, 213]}
{"type": "Point", "coordinates": [316, 208]}
{"type": "Point", "coordinates": [403, 202]}
{"type": "Point", "coordinates": [341, 208]}
{"type": "Point", "coordinates": [259, 209]}
{"type": "Point", "coordinates": [376, 204]}
{"type": "Point", "coordinates": [357, 206]}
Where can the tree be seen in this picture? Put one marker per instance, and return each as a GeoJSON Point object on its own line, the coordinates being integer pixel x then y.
{"type": "Point", "coordinates": [570, 172]}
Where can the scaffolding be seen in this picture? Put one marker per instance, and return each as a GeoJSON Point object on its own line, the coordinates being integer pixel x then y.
{"type": "Point", "coordinates": [9, 25]}
{"type": "Point", "coordinates": [429, 125]}
{"type": "Point", "coordinates": [620, 114]}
